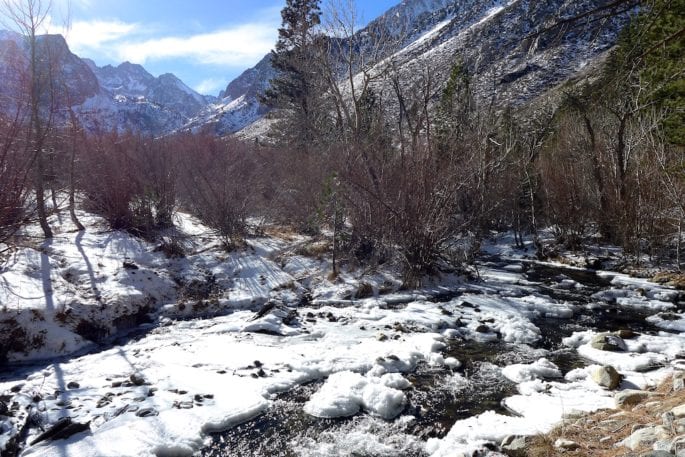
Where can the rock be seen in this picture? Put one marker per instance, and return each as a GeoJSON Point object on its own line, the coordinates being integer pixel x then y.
{"type": "Point", "coordinates": [678, 445]}
{"type": "Point", "coordinates": [678, 380]}
{"type": "Point", "coordinates": [130, 265]}
{"type": "Point", "coordinates": [645, 437]}
{"type": "Point", "coordinates": [608, 342]}
{"type": "Point", "coordinates": [566, 445]}
{"type": "Point", "coordinates": [667, 420]}
{"type": "Point", "coordinates": [607, 377]}
{"type": "Point", "coordinates": [628, 398]}
{"type": "Point", "coordinates": [147, 412]}
{"type": "Point", "coordinates": [657, 454]}
{"type": "Point", "coordinates": [679, 426]}
{"type": "Point", "coordinates": [73, 385]}
{"type": "Point", "coordinates": [137, 379]}
{"type": "Point", "coordinates": [679, 412]}
{"type": "Point", "coordinates": [626, 334]}
{"type": "Point", "coordinates": [483, 329]}
{"type": "Point", "coordinates": [62, 429]}
{"type": "Point", "coordinates": [514, 446]}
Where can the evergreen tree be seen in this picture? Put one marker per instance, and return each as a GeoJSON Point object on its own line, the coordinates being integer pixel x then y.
{"type": "Point", "coordinates": [294, 90]}
{"type": "Point", "coordinates": [650, 62]}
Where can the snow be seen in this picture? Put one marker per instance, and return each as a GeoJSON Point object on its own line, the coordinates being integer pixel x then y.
{"type": "Point", "coordinates": [541, 369]}
{"type": "Point", "coordinates": [346, 393]}
{"type": "Point", "coordinates": [238, 355]}
{"type": "Point", "coordinates": [644, 353]}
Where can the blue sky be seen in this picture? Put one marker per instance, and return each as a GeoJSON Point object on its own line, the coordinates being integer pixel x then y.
{"type": "Point", "coordinates": [206, 43]}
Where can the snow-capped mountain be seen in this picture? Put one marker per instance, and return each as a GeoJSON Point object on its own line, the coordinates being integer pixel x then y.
{"type": "Point", "coordinates": [496, 40]}
{"type": "Point", "coordinates": [125, 97]}
{"type": "Point", "coordinates": [238, 105]}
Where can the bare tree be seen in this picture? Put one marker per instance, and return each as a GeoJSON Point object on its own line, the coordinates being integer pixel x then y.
{"type": "Point", "coordinates": [27, 17]}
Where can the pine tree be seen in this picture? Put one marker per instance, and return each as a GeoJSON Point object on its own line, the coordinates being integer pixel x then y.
{"type": "Point", "coordinates": [294, 90]}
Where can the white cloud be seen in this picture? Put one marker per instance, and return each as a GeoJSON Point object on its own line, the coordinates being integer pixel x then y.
{"type": "Point", "coordinates": [230, 47]}
{"type": "Point", "coordinates": [95, 35]}
{"type": "Point", "coordinates": [211, 85]}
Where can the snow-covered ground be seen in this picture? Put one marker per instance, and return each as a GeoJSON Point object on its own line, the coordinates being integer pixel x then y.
{"type": "Point", "coordinates": [215, 356]}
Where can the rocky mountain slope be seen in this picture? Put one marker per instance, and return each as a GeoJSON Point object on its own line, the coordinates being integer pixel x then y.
{"type": "Point", "coordinates": [125, 97]}
{"type": "Point", "coordinates": [499, 41]}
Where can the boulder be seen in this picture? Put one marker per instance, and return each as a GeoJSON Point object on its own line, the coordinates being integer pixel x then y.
{"type": "Point", "coordinates": [606, 377]}
{"type": "Point", "coordinates": [628, 398]}
{"type": "Point", "coordinates": [608, 342]}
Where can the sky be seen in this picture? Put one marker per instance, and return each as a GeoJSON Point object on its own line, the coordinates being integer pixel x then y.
{"type": "Point", "coordinates": [206, 43]}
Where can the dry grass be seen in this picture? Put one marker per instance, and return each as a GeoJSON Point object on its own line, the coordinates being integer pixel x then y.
{"type": "Point", "coordinates": [673, 279]}
{"type": "Point", "coordinates": [281, 232]}
{"type": "Point", "coordinates": [589, 431]}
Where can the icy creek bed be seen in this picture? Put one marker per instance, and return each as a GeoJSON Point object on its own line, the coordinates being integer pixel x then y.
{"type": "Point", "coordinates": [440, 371]}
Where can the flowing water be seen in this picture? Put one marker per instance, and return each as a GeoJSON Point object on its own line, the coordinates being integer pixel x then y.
{"type": "Point", "coordinates": [437, 398]}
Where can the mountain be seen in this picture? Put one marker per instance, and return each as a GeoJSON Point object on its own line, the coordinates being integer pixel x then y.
{"type": "Point", "coordinates": [125, 97]}
{"type": "Point", "coordinates": [238, 105]}
{"type": "Point", "coordinates": [504, 44]}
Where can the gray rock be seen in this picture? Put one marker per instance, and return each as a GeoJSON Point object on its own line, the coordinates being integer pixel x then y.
{"type": "Point", "coordinates": [678, 445]}
{"type": "Point", "coordinates": [514, 446]}
{"type": "Point", "coordinates": [678, 380]}
{"type": "Point", "coordinates": [679, 412]}
{"type": "Point", "coordinates": [607, 377]}
{"type": "Point", "coordinates": [627, 398]}
{"type": "Point", "coordinates": [137, 379]}
{"type": "Point", "coordinates": [657, 454]}
{"type": "Point", "coordinates": [608, 342]}
{"type": "Point", "coordinates": [679, 425]}
{"type": "Point", "coordinates": [566, 445]}
{"type": "Point", "coordinates": [645, 437]}
{"type": "Point", "coordinates": [667, 420]}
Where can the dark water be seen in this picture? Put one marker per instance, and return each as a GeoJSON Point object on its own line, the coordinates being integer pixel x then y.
{"type": "Point", "coordinates": [435, 400]}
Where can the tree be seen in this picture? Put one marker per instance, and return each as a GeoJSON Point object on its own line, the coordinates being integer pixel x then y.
{"type": "Point", "coordinates": [28, 16]}
{"type": "Point", "coordinates": [294, 90]}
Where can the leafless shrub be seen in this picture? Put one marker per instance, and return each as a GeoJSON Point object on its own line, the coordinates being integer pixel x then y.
{"type": "Point", "coordinates": [219, 184]}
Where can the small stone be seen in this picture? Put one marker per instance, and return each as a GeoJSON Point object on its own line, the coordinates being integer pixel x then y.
{"type": "Point", "coordinates": [678, 381]}
{"type": "Point", "coordinates": [147, 412]}
{"type": "Point", "coordinates": [679, 412]}
{"type": "Point", "coordinates": [483, 329]}
{"type": "Point", "coordinates": [667, 419]}
{"type": "Point", "coordinates": [137, 379]}
{"type": "Point", "coordinates": [16, 388]}
{"type": "Point", "coordinates": [627, 398]}
{"type": "Point", "coordinates": [645, 437]}
{"type": "Point", "coordinates": [608, 342]}
{"type": "Point", "coordinates": [514, 446]}
{"type": "Point", "coordinates": [607, 377]}
{"type": "Point", "coordinates": [566, 445]}
{"type": "Point", "coordinates": [658, 453]}
{"type": "Point", "coordinates": [678, 445]}
{"type": "Point", "coordinates": [626, 334]}
{"type": "Point", "coordinates": [382, 337]}
{"type": "Point", "coordinates": [73, 385]}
